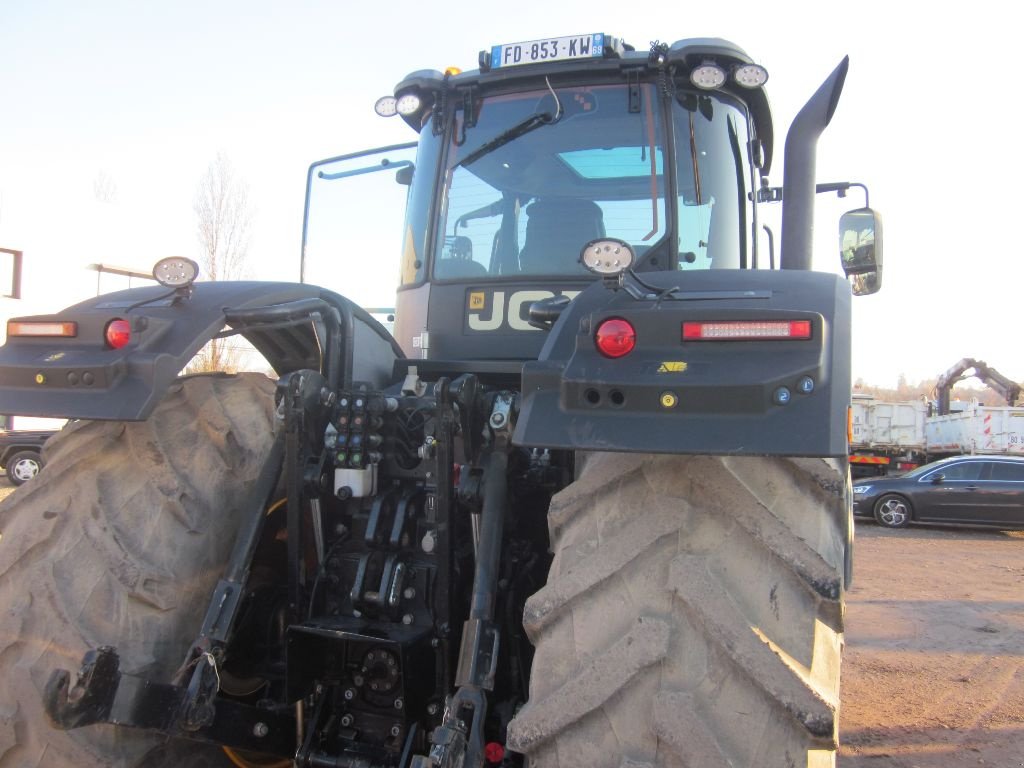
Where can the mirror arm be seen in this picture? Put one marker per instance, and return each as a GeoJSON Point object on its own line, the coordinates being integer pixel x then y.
{"type": "Point", "coordinates": [842, 187]}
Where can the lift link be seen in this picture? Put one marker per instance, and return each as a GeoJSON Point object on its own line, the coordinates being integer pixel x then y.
{"type": "Point", "coordinates": [459, 740]}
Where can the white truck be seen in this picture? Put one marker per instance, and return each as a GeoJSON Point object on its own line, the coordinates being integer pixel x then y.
{"type": "Point", "coordinates": [895, 437]}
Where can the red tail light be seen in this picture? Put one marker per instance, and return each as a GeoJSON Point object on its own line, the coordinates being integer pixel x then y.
{"type": "Point", "coordinates": [615, 337]}
{"type": "Point", "coordinates": [743, 330]}
{"type": "Point", "coordinates": [118, 333]}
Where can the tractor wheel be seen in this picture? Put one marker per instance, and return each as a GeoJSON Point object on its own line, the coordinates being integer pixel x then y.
{"type": "Point", "coordinates": [122, 545]}
{"type": "Point", "coordinates": [693, 615]}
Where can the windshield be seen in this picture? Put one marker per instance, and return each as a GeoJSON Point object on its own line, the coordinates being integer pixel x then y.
{"type": "Point", "coordinates": [523, 196]}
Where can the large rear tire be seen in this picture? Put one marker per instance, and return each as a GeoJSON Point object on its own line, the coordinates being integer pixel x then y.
{"type": "Point", "coordinates": [120, 541]}
{"type": "Point", "coordinates": [692, 616]}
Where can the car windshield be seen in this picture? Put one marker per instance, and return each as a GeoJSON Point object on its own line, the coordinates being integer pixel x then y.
{"type": "Point", "coordinates": [535, 179]}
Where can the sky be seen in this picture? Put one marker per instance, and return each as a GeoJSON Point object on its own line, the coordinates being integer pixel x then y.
{"type": "Point", "coordinates": [137, 98]}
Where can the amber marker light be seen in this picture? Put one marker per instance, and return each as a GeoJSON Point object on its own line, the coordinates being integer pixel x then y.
{"type": "Point", "coordinates": [42, 328]}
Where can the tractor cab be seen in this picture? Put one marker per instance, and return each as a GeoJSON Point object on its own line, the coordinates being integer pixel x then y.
{"type": "Point", "coordinates": [549, 146]}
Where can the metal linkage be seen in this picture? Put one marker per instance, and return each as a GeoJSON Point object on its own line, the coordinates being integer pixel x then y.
{"type": "Point", "coordinates": [459, 740]}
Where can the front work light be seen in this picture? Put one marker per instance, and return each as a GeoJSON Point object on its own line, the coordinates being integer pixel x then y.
{"type": "Point", "coordinates": [750, 75]}
{"type": "Point", "coordinates": [607, 256]}
{"type": "Point", "coordinates": [175, 272]}
{"type": "Point", "coordinates": [386, 106]}
{"type": "Point", "coordinates": [708, 76]}
{"type": "Point", "coordinates": [408, 104]}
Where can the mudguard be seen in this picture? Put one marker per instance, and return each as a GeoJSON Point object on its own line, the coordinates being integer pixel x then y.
{"type": "Point", "coordinates": [670, 395]}
{"type": "Point", "coordinates": [83, 377]}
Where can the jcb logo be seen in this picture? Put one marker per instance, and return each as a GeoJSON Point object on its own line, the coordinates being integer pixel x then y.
{"type": "Point", "coordinates": [493, 311]}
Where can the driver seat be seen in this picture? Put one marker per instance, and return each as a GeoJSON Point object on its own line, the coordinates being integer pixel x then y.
{"type": "Point", "coordinates": [556, 231]}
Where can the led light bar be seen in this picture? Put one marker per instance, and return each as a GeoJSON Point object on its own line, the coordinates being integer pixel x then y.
{"type": "Point", "coordinates": [745, 330]}
{"type": "Point", "coordinates": [42, 328]}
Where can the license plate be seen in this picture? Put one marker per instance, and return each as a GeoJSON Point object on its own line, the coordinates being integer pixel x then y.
{"type": "Point", "coordinates": [551, 49]}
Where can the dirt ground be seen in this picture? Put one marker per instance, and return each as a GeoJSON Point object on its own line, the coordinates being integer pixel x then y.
{"type": "Point", "coordinates": [933, 675]}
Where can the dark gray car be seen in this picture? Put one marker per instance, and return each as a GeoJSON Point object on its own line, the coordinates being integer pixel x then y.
{"type": "Point", "coordinates": [963, 490]}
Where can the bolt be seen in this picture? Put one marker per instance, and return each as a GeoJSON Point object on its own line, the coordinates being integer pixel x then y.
{"type": "Point", "coordinates": [260, 730]}
{"type": "Point", "coordinates": [358, 680]}
{"type": "Point", "coordinates": [399, 703]}
{"type": "Point", "coordinates": [350, 693]}
{"type": "Point", "coordinates": [347, 720]}
{"type": "Point", "coordinates": [432, 709]}
{"type": "Point", "coordinates": [340, 529]}
{"type": "Point", "coordinates": [409, 593]}
{"type": "Point", "coordinates": [396, 729]}
{"type": "Point", "coordinates": [497, 419]}
{"type": "Point", "coordinates": [407, 619]}
{"type": "Point", "coordinates": [357, 614]}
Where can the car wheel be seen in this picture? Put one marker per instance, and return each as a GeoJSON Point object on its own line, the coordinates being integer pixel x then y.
{"type": "Point", "coordinates": [893, 511]}
{"type": "Point", "coordinates": [23, 466]}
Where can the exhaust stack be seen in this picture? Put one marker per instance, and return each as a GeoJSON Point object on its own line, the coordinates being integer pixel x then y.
{"type": "Point", "coordinates": [799, 171]}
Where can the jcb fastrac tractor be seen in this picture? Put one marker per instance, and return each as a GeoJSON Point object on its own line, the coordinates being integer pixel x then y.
{"type": "Point", "coordinates": [587, 507]}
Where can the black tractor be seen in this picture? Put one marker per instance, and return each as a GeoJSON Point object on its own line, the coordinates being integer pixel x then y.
{"type": "Point", "coordinates": [587, 505]}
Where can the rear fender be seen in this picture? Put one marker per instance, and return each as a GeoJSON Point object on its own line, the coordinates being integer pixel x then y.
{"type": "Point", "coordinates": [82, 377]}
{"type": "Point", "coordinates": [715, 397]}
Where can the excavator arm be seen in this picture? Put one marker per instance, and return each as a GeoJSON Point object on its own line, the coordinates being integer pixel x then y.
{"type": "Point", "coordinates": [1007, 389]}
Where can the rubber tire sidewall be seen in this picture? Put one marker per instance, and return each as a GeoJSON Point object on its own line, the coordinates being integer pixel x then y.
{"type": "Point", "coordinates": [693, 615]}
{"type": "Point", "coordinates": [122, 545]}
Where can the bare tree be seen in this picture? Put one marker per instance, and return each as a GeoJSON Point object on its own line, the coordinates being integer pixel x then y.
{"type": "Point", "coordinates": [223, 223]}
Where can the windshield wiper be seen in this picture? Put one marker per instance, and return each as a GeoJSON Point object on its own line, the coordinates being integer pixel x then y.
{"type": "Point", "coordinates": [532, 123]}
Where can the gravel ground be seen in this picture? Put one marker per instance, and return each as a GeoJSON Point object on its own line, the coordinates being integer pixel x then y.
{"type": "Point", "coordinates": [933, 675]}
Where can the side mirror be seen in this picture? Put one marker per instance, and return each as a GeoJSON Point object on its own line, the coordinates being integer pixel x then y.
{"type": "Point", "coordinates": [938, 479]}
{"type": "Point", "coordinates": [860, 249]}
